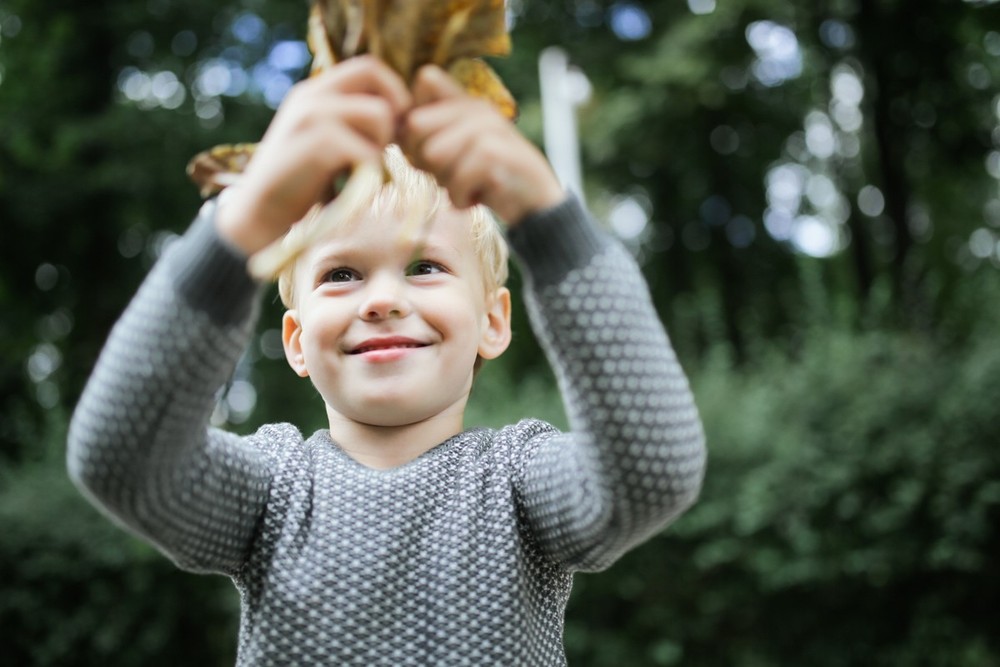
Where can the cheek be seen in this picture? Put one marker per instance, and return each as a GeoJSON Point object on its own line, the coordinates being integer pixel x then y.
{"type": "Point", "coordinates": [322, 327]}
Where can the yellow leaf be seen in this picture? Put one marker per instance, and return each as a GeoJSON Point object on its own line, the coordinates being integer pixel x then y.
{"type": "Point", "coordinates": [480, 80]}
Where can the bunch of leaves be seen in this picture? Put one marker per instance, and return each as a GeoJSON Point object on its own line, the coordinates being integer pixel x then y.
{"type": "Point", "coordinates": [405, 34]}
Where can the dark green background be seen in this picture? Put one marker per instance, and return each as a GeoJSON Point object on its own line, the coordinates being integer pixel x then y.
{"type": "Point", "coordinates": [850, 513]}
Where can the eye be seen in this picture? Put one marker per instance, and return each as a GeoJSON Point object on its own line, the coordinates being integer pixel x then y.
{"type": "Point", "coordinates": [340, 275]}
{"type": "Point", "coordinates": [424, 267]}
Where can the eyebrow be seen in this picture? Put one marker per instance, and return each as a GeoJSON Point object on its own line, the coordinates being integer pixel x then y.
{"type": "Point", "coordinates": [336, 250]}
{"type": "Point", "coordinates": [319, 256]}
{"type": "Point", "coordinates": [430, 247]}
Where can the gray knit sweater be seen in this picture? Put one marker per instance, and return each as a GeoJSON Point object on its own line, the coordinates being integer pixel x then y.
{"type": "Point", "coordinates": [463, 556]}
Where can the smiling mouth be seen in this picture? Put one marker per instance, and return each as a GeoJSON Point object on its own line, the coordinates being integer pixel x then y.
{"type": "Point", "coordinates": [379, 346]}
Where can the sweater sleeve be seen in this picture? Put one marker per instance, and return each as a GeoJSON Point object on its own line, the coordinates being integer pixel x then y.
{"type": "Point", "coordinates": [140, 446]}
{"type": "Point", "coordinates": [635, 454]}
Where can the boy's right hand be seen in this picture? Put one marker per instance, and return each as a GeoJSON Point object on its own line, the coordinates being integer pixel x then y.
{"type": "Point", "coordinates": [325, 125]}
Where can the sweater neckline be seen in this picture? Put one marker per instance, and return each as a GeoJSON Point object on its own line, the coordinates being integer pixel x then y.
{"type": "Point", "coordinates": [444, 452]}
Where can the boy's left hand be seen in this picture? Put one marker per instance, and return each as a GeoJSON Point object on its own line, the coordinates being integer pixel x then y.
{"type": "Point", "coordinates": [474, 152]}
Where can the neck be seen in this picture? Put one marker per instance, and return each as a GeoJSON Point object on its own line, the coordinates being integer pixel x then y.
{"type": "Point", "coordinates": [383, 447]}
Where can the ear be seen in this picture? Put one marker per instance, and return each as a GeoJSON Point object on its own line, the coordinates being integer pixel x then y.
{"type": "Point", "coordinates": [291, 338]}
{"type": "Point", "coordinates": [496, 334]}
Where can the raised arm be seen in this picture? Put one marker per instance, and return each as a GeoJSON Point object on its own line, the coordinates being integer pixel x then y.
{"type": "Point", "coordinates": [634, 458]}
{"type": "Point", "coordinates": [139, 442]}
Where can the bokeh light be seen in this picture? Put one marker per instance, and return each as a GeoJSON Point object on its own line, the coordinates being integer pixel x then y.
{"type": "Point", "coordinates": [629, 21]}
{"type": "Point", "coordinates": [820, 137]}
{"type": "Point", "coordinates": [140, 45]}
{"type": "Point", "coordinates": [815, 236]}
{"type": "Point", "coordinates": [871, 202]}
{"type": "Point", "coordinates": [724, 140]}
{"type": "Point", "coordinates": [10, 26]}
{"type": "Point", "coordinates": [629, 218]}
{"type": "Point", "coordinates": [805, 209]}
{"type": "Point", "coordinates": [46, 277]}
{"type": "Point", "coordinates": [151, 90]}
{"type": "Point", "coordinates": [982, 243]}
{"type": "Point", "coordinates": [836, 34]}
{"type": "Point", "coordinates": [255, 63]}
{"type": "Point", "coordinates": [248, 28]}
{"type": "Point", "coordinates": [741, 231]}
{"type": "Point", "coordinates": [184, 43]}
{"type": "Point", "coordinates": [701, 7]}
{"type": "Point", "coordinates": [588, 13]}
{"type": "Point", "coordinates": [778, 55]}
{"type": "Point", "coordinates": [288, 55]}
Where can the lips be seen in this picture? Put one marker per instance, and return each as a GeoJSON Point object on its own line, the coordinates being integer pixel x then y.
{"type": "Point", "coordinates": [386, 343]}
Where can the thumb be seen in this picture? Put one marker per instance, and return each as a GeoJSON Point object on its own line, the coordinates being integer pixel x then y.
{"type": "Point", "coordinates": [433, 84]}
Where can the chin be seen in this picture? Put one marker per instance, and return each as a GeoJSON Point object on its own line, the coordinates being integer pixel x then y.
{"type": "Point", "coordinates": [390, 415]}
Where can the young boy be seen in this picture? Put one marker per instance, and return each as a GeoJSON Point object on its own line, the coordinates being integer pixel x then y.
{"type": "Point", "coordinates": [395, 537]}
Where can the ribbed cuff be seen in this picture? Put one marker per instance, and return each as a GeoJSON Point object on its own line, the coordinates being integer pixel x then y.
{"type": "Point", "coordinates": [211, 274]}
{"type": "Point", "coordinates": [551, 243]}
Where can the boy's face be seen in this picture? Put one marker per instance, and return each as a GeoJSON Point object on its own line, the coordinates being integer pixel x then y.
{"type": "Point", "coordinates": [389, 332]}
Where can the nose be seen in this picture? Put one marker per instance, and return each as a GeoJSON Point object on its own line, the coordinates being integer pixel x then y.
{"type": "Point", "coordinates": [384, 298]}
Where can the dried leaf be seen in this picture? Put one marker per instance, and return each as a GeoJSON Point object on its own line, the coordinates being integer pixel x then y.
{"type": "Point", "coordinates": [334, 17]}
{"type": "Point", "coordinates": [400, 38]}
{"type": "Point", "coordinates": [480, 80]}
{"type": "Point", "coordinates": [462, 29]}
{"type": "Point", "coordinates": [409, 33]}
{"type": "Point", "coordinates": [219, 167]}
{"type": "Point", "coordinates": [319, 42]}
{"type": "Point", "coordinates": [406, 34]}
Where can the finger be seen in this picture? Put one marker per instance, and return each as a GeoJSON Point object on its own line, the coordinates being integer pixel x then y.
{"type": "Point", "coordinates": [315, 119]}
{"type": "Point", "coordinates": [284, 186]}
{"type": "Point", "coordinates": [432, 84]}
{"type": "Point", "coordinates": [439, 150]}
{"type": "Point", "coordinates": [368, 75]}
{"type": "Point", "coordinates": [343, 150]}
{"type": "Point", "coordinates": [476, 175]}
{"type": "Point", "coordinates": [505, 173]}
{"type": "Point", "coordinates": [372, 117]}
{"type": "Point", "coordinates": [422, 123]}
{"type": "Point", "coordinates": [432, 117]}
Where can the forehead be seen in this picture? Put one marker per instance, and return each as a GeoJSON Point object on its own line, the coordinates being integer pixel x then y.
{"type": "Point", "coordinates": [389, 233]}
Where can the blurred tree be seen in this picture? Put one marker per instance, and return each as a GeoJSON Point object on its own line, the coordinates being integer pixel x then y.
{"type": "Point", "coordinates": [762, 131]}
{"type": "Point", "coordinates": [780, 169]}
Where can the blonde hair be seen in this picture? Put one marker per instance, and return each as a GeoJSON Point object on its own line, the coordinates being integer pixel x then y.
{"type": "Point", "coordinates": [415, 192]}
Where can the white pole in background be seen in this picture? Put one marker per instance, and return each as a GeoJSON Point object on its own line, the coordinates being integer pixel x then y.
{"type": "Point", "coordinates": [563, 89]}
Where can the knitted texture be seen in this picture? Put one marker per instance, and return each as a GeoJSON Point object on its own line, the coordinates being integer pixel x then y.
{"type": "Point", "coordinates": [463, 556]}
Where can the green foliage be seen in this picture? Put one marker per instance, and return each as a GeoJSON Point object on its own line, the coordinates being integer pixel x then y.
{"type": "Point", "coordinates": [848, 517]}
{"type": "Point", "coordinates": [850, 511]}
{"type": "Point", "coordinates": [77, 590]}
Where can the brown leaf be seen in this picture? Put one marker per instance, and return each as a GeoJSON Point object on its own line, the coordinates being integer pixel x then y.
{"type": "Point", "coordinates": [400, 37]}
{"type": "Point", "coordinates": [406, 34]}
{"type": "Point", "coordinates": [410, 33]}
{"type": "Point", "coordinates": [217, 168]}
{"type": "Point", "coordinates": [463, 29]}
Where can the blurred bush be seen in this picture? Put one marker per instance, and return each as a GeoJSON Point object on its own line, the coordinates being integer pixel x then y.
{"type": "Point", "coordinates": [849, 517]}
{"type": "Point", "coordinates": [77, 590]}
